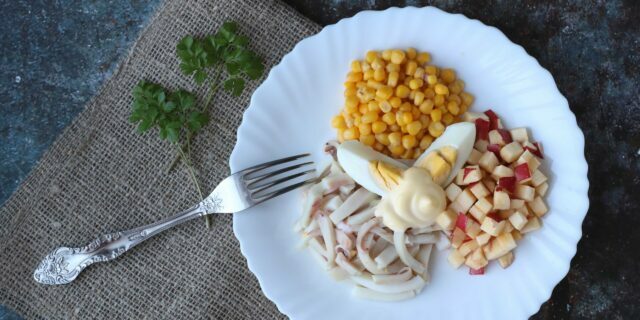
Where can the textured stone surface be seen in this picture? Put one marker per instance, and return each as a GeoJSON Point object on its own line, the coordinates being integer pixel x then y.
{"type": "Point", "coordinates": [56, 55]}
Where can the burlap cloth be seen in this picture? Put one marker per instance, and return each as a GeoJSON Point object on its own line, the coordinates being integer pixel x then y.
{"type": "Point", "coordinates": [101, 176]}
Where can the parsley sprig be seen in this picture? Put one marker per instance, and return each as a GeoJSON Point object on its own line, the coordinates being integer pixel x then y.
{"type": "Point", "coordinates": [219, 60]}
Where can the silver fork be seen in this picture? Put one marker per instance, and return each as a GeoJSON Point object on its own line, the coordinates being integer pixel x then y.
{"type": "Point", "coordinates": [237, 192]}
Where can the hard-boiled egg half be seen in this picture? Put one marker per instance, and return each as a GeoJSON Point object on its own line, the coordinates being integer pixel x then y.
{"type": "Point", "coordinates": [379, 173]}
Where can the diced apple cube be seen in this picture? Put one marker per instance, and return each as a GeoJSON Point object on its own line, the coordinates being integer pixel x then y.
{"type": "Point", "coordinates": [501, 172]}
{"type": "Point", "coordinates": [457, 237]}
{"type": "Point", "coordinates": [479, 190]}
{"type": "Point", "coordinates": [491, 226]}
{"type": "Point", "coordinates": [476, 260]}
{"type": "Point", "coordinates": [488, 161]}
{"type": "Point", "coordinates": [467, 247]}
{"type": "Point", "coordinates": [511, 152]}
{"type": "Point", "coordinates": [525, 210]}
{"type": "Point", "coordinates": [452, 191]}
{"type": "Point", "coordinates": [542, 189]}
{"type": "Point", "coordinates": [522, 172]}
{"type": "Point", "coordinates": [496, 138]}
{"type": "Point", "coordinates": [472, 116]}
{"type": "Point", "coordinates": [538, 206]}
{"type": "Point", "coordinates": [532, 225]}
{"type": "Point", "coordinates": [538, 178]}
{"type": "Point", "coordinates": [485, 204]}
{"type": "Point", "coordinates": [507, 227]}
{"type": "Point", "coordinates": [489, 183]}
{"type": "Point", "coordinates": [474, 157]}
{"type": "Point", "coordinates": [456, 259]}
{"type": "Point", "coordinates": [519, 135]}
{"type": "Point", "coordinates": [481, 145]}
{"type": "Point", "coordinates": [501, 200]}
{"type": "Point", "coordinates": [447, 219]}
{"type": "Point", "coordinates": [471, 174]}
{"type": "Point", "coordinates": [516, 235]}
{"type": "Point", "coordinates": [516, 204]}
{"type": "Point", "coordinates": [525, 193]}
{"type": "Point", "coordinates": [472, 229]}
{"type": "Point", "coordinates": [530, 159]}
{"type": "Point", "coordinates": [465, 200]}
{"type": "Point", "coordinates": [482, 238]}
{"type": "Point", "coordinates": [460, 178]}
{"type": "Point", "coordinates": [506, 260]}
{"type": "Point", "coordinates": [476, 213]}
{"type": "Point", "coordinates": [500, 246]}
{"type": "Point", "coordinates": [518, 220]}
{"type": "Point", "coordinates": [505, 214]}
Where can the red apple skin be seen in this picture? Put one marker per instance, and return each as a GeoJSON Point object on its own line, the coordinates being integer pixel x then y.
{"type": "Point", "coordinates": [508, 183]}
{"type": "Point", "coordinates": [493, 118]}
{"type": "Point", "coordinates": [482, 129]}
{"type": "Point", "coordinates": [506, 135]}
{"type": "Point", "coordinates": [476, 272]}
{"type": "Point", "coordinates": [522, 172]}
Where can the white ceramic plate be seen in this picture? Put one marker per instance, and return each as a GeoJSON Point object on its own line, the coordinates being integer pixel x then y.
{"type": "Point", "coordinates": [290, 114]}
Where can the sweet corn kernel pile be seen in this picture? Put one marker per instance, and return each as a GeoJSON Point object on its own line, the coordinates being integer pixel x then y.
{"type": "Point", "coordinates": [398, 103]}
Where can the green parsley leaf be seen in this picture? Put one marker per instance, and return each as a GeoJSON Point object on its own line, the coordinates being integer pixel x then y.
{"type": "Point", "coordinates": [234, 85]}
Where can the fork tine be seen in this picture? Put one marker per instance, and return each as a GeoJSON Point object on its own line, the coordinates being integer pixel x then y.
{"type": "Point", "coordinates": [284, 190]}
{"type": "Point", "coordinates": [281, 180]}
{"type": "Point", "coordinates": [265, 176]}
{"type": "Point", "coordinates": [272, 163]}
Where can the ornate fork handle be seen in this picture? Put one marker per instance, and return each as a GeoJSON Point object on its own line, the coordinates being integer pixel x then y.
{"type": "Point", "coordinates": [64, 264]}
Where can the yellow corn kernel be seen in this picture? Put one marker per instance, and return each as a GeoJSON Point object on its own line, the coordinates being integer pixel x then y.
{"type": "Point", "coordinates": [355, 66]}
{"type": "Point", "coordinates": [379, 75]}
{"type": "Point", "coordinates": [365, 65]}
{"type": "Point", "coordinates": [407, 118]}
{"type": "Point", "coordinates": [392, 80]}
{"type": "Point", "coordinates": [395, 138]}
{"type": "Point", "coordinates": [402, 91]}
{"type": "Point", "coordinates": [365, 94]}
{"type": "Point", "coordinates": [463, 109]}
{"type": "Point", "coordinates": [367, 75]}
{"type": "Point", "coordinates": [399, 118]}
{"type": "Point", "coordinates": [436, 115]}
{"type": "Point", "coordinates": [426, 141]}
{"type": "Point", "coordinates": [377, 64]}
{"type": "Point", "coordinates": [411, 53]}
{"type": "Point", "coordinates": [384, 92]}
{"type": "Point", "coordinates": [408, 154]}
{"type": "Point", "coordinates": [374, 84]}
{"type": "Point", "coordinates": [389, 118]}
{"type": "Point", "coordinates": [363, 108]}
{"type": "Point", "coordinates": [397, 56]}
{"type": "Point", "coordinates": [431, 70]}
{"type": "Point", "coordinates": [348, 85]}
{"type": "Point", "coordinates": [432, 79]}
{"type": "Point", "coordinates": [386, 54]}
{"type": "Point", "coordinates": [419, 73]}
{"type": "Point", "coordinates": [414, 127]}
{"type": "Point", "coordinates": [423, 57]}
{"type": "Point", "coordinates": [415, 111]}
{"type": "Point", "coordinates": [351, 104]}
{"type": "Point", "coordinates": [361, 84]}
{"type": "Point", "coordinates": [396, 150]}
{"type": "Point", "coordinates": [418, 98]}
{"type": "Point", "coordinates": [460, 83]}
{"type": "Point", "coordinates": [406, 81]}
{"type": "Point", "coordinates": [394, 127]}
{"type": "Point", "coordinates": [429, 93]}
{"type": "Point", "coordinates": [448, 75]}
{"type": "Point", "coordinates": [356, 121]}
{"type": "Point", "coordinates": [447, 119]}
{"type": "Point", "coordinates": [443, 108]}
{"type": "Point", "coordinates": [370, 117]}
{"type": "Point", "coordinates": [350, 92]}
{"type": "Point", "coordinates": [411, 67]}
{"type": "Point", "coordinates": [421, 133]}
{"type": "Point", "coordinates": [436, 128]}
{"type": "Point", "coordinates": [371, 55]}
{"type": "Point", "coordinates": [438, 100]}
{"type": "Point", "coordinates": [412, 94]}
{"type": "Point", "coordinates": [454, 97]}
{"type": "Point", "coordinates": [338, 122]}
{"type": "Point", "coordinates": [453, 107]}
{"type": "Point", "coordinates": [415, 83]}
{"type": "Point", "coordinates": [354, 76]}
{"type": "Point", "coordinates": [385, 106]}
{"type": "Point", "coordinates": [378, 146]}
{"type": "Point", "coordinates": [373, 106]}
{"type": "Point", "coordinates": [426, 106]}
{"type": "Point", "coordinates": [368, 139]}
{"type": "Point", "coordinates": [364, 128]}
{"type": "Point", "coordinates": [454, 88]}
{"type": "Point", "coordinates": [392, 67]}
{"type": "Point", "coordinates": [351, 134]}
{"type": "Point", "coordinates": [395, 102]}
{"type": "Point", "coordinates": [425, 120]}
{"type": "Point", "coordinates": [403, 129]}
{"type": "Point", "coordinates": [383, 138]}
{"type": "Point", "coordinates": [441, 89]}
{"type": "Point", "coordinates": [406, 106]}
{"type": "Point", "coordinates": [467, 99]}
{"type": "Point", "coordinates": [378, 127]}
{"type": "Point", "coordinates": [409, 141]}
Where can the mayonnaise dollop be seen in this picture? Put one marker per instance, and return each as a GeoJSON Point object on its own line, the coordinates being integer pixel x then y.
{"type": "Point", "coordinates": [414, 203]}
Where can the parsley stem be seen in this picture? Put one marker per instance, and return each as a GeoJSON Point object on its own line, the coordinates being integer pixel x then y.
{"type": "Point", "coordinates": [192, 174]}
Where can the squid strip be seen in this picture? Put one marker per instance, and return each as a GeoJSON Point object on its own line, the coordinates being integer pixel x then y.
{"type": "Point", "coordinates": [403, 253]}
{"type": "Point", "coordinates": [355, 201]}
